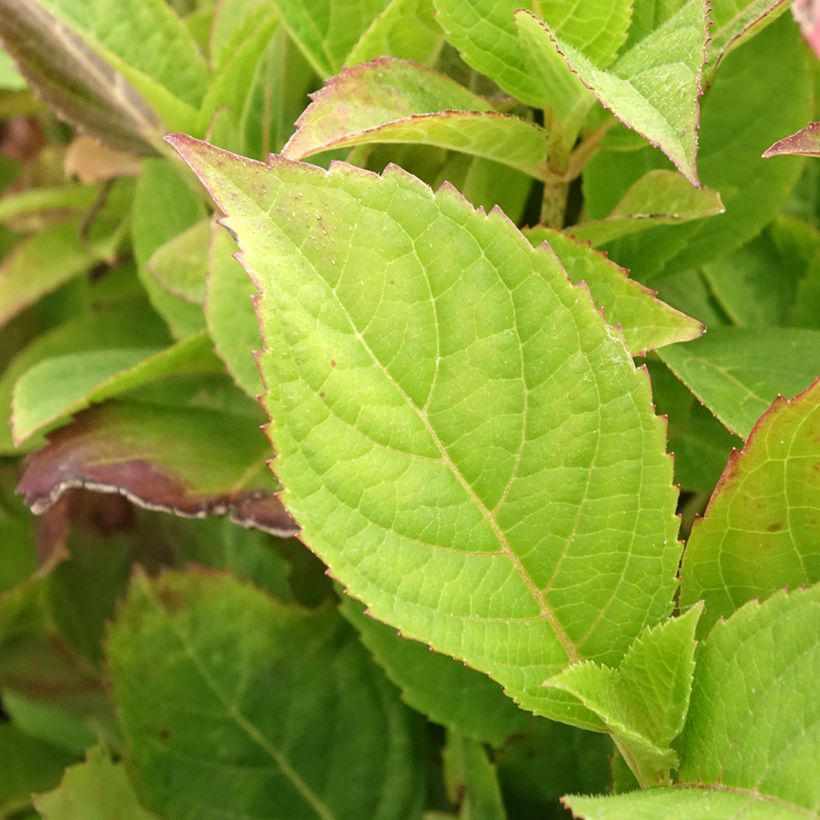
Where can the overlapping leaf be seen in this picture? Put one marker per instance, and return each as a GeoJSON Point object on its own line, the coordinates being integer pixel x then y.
{"type": "Point", "coordinates": [647, 322]}
{"type": "Point", "coordinates": [457, 430]}
{"type": "Point", "coordinates": [806, 141]}
{"type": "Point", "coordinates": [738, 372]}
{"type": "Point", "coordinates": [754, 680]}
{"type": "Point", "coordinates": [761, 530]}
{"type": "Point", "coordinates": [390, 100]}
{"type": "Point", "coordinates": [263, 682]}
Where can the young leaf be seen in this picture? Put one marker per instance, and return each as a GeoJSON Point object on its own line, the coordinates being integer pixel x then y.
{"type": "Point", "coordinates": [761, 532]}
{"type": "Point", "coordinates": [40, 264]}
{"type": "Point", "coordinates": [413, 339]}
{"type": "Point", "coordinates": [657, 198]}
{"type": "Point", "coordinates": [485, 33]}
{"type": "Point", "coordinates": [647, 322]}
{"type": "Point", "coordinates": [754, 679]}
{"type": "Point", "coordinates": [62, 385]}
{"type": "Point", "coordinates": [806, 141]}
{"type": "Point", "coordinates": [738, 372]}
{"type": "Point", "coordinates": [654, 87]}
{"type": "Point", "coordinates": [98, 789]}
{"type": "Point", "coordinates": [440, 687]}
{"type": "Point", "coordinates": [406, 29]}
{"type": "Point", "coordinates": [389, 100]}
{"type": "Point", "coordinates": [643, 702]}
{"type": "Point", "coordinates": [737, 123]}
{"type": "Point", "coordinates": [190, 461]}
{"type": "Point", "coordinates": [230, 314]}
{"type": "Point", "coordinates": [325, 30]}
{"type": "Point", "coordinates": [179, 265]}
{"type": "Point", "coordinates": [264, 682]}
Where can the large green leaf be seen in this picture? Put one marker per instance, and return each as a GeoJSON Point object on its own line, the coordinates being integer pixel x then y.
{"type": "Point", "coordinates": [647, 322]}
{"type": "Point", "coordinates": [389, 100]}
{"type": "Point", "coordinates": [327, 30]}
{"type": "Point", "coordinates": [654, 87]}
{"type": "Point", "coordinates": [643, 702]}
{"type": "Point", "coordinates": [188, 461]}
{"type": "Point", "coordinates": [59, 386]}
{"type": "Point", "coordinates": [761, 530]}
{"type": "Point", "coordinates": [485, 33]}
{"type": "Point", "coordinates": [256, 709]}
{"type": "Point", "coordinates": [461, 436]}
{"type": "Point", "coordinates": [738, 122]}
{"type": "Point", "coordinates": [738, 372]}
{"type": "Point", "coordinates": [95, 790]}
{"type": "Point", "coordinates": [406, 29]}
{"type": "Point", "coordinates": [751, 742]}
{"type": "Point", "coordinates": [438, 686]}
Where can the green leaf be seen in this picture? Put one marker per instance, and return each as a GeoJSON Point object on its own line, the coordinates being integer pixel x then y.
{"type": "Point", "coordinates": [34, 208]}
{"type": "Point", "coordinates": [485, 33]}
{"type": "Point", "coordinates": [29, 765]}
{"type": "Point", "coordinates": [327, 30]}
{"type": "Point", "coordinates": [179, 265]}
{"type": "Point", "coordinates": [232, 20]}
{"type": "Point", "coordinates": [10, 79]}
{"type": "Point", "coordinates": [654, 87]}
{"type": "Point", "coordinates": [88, 332]}
{"type": "Point", "coordinates": [738, 372]}
{"type": "Point", "coordinates": [440, 687]}
{"type": "Point", "coordinates": [406, 333]}
{"type": "Point", "coordinates": [761, 531]}
{"type": "Point", "coordinates": [738, 121]}
{"type": "Point", "coordinates": [657, 198]}
{"type": "Point", "coordinates": [734, 22]}
{"type": "Point", "coordinates": [230, 314]}
{"type": "Point", "coordinates": [265, 682]}
{"type": "Point", "coordinates": [95, 790]}
{"type": "Point", "coordinates": [406, 29]}
{"type": "Point", "coordinates": [643, 703]}
{"type": "Point", "coordinates": [40, 264]}
{"type": "Point", "coordinates": [62, 385]}
{"type": "Point", "coordinates": [391, 100]}
{"type": "Point", "coordinates": [472, 781]}
{"type": "Point", "coordinates": [188, 461]}
{"type": "Point", "coordinates": [647, 322]}
{"type": "Point", "coordinates": [164, 206]}
{"type": "Point", "coordinates": [754, 679]}
{"type": "Point", "coordinates": [806, 142]}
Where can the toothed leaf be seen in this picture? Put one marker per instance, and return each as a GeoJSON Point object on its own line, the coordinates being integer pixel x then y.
{"type": "Point", "coordinates": [458, 432]}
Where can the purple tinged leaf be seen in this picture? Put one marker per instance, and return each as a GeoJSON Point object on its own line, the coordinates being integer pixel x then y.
{"type": "Point", "coordinates": [805, 142]}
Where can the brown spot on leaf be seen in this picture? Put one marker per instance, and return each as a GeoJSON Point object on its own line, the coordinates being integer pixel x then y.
{"type": "Point", "coordinates": [777, 526]}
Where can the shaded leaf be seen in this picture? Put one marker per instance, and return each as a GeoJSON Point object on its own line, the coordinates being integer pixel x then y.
{"type": "Point", "coordinates": [40, 264]}
{"type": "Point", "coordinates": [406, 29]}
{"type": "Point", "coordinates": [647, 322]}
{"type": "Point", "coordinates": [327, 30]}
{"type": "Point", "coordinates": [738, 372]}
{"type": "Point", "coordinates": [62, 385]}
{"type": "Point", "coordinates": [440, 687]}
{"type": "Point", "coordinates": [477, 535]}
{"type": "Point", "coordinates": [389, 100]}
{"type": "Point", "coordinates": [265, 682]}
{"type": "Point", "coordinates": [189, 461]}
{"type": "Point", "coordinates": [806, 142]}
{"type": "Point", "coordinates": [654, 87]}
{"type": "Point", "coordinates": [472, 780]}
{"type": "Point", "coordinates": [230, 314]}
{"type": "Point", "coordinates": [657, 198]}
{"type": "Point", "coordinates": [179, 265]}
{"type": "Point", "coordinates": [95, 790]}
{"type": "Point", "coordinates": [761, 531]}
{"type": "Point", "coordinates": [642, 703]}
